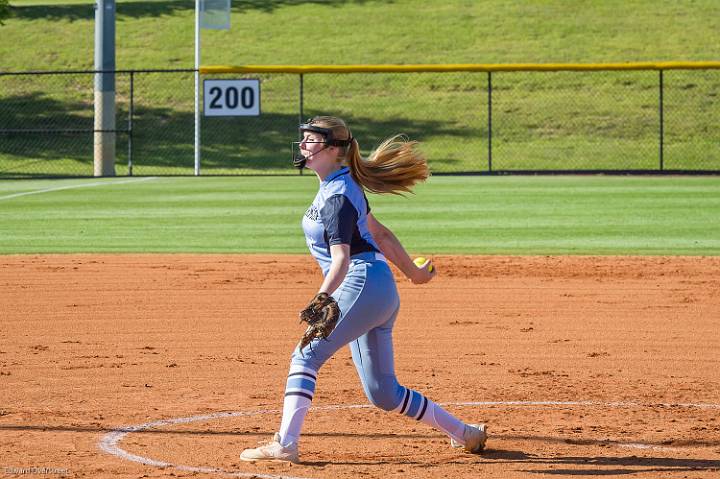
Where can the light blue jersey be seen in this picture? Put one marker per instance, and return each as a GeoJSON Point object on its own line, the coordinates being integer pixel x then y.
{"type": "Point", "coordinates": [338, 215]}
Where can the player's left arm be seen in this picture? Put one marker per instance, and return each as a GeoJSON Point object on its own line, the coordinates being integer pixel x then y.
{"type": "Point", "coordinates": [393, 250]}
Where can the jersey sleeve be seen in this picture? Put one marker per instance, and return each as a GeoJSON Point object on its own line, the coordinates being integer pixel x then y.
{"type": "Point", "coordinates": [339, 217]}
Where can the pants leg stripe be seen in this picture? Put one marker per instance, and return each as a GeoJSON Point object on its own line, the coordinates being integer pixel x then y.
{"type": "Point", "coordinates": [299, 368]}
{"type": "Point", "coordinates": [300, 383]}
{"type": "Point", "coordinates": [423, 409]}
{"type": "Point", "coordinates": [299, 393]}
{"type": "Point", "coordinates": [308, 375]}
{"type": "Point", "coordinates": [414, 405]}
{"type": "Point", "coordinates": [408, 393]}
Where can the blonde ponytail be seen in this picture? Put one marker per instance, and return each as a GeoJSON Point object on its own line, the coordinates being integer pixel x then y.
{"type": "Point", "coordinates": [394, 167]}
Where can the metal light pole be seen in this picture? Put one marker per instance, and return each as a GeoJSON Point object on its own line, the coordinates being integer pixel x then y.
{"type": "Point", "coordinates": [104, 136]}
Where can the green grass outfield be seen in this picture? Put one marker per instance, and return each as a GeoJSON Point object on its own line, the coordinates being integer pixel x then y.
{"type": "Point", "coordinates": [476, 215]}
{"type": "Point", "coordinates": [55, 34]}
{"type": "Point", "coordinates": [563, 120]}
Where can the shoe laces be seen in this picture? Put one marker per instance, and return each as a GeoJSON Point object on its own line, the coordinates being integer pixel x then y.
{"type": "Point", "coordinates": [267, 442]}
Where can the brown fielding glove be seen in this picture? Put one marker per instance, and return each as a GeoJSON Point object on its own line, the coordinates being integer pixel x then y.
{"type": "Point", "coordinates": [322, 315]}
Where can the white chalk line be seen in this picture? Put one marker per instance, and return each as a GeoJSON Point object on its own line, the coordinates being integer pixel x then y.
{"type": "Point", "coordinates": [614, 405]}
{"type": "Point", "coordinates": [109, 442]}
{"type": "Point", "coordinates": [81, 185]}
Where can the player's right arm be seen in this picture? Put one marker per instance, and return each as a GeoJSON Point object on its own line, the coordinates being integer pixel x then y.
{"type": "Point", "coordinates": [393, 250]}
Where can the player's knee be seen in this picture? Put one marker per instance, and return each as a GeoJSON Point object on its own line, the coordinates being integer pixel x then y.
{"type": "Point", "coordinates": [382, 400]}
{"type": "Point", "coordinates": [307, 358]}
{"type": "Point", "coordinates": [384, 394]}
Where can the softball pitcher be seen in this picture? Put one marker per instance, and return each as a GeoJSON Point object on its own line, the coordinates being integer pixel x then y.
{"type": "Point", "coordinates": [352, 248]}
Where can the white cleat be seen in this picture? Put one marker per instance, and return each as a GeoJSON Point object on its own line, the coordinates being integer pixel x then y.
{"type": "Point", "coordinates": [475, 436]}
{"type": "Point", "coordinates": [272, 451]}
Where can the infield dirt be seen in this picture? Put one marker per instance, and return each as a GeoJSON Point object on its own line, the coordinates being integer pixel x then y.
{"type": "Point", "coordinates": [624, 353]}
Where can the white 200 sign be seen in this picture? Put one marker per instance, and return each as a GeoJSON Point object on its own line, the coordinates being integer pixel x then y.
{"type": "Point", "coordinates": [231, 97]}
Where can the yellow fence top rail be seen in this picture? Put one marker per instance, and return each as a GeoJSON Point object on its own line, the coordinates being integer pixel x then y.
{"type": "Point", "coordinates": [460, 67]}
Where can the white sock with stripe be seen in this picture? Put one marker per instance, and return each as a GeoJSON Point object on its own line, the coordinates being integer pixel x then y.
{"type": "Point", "coordinates": [422, 409]}
{"type": "Point", "coordinates": [299, 392]}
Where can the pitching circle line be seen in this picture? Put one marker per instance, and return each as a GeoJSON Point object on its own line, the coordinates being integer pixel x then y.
{"type": "Point", "coordinates": [109, 443]}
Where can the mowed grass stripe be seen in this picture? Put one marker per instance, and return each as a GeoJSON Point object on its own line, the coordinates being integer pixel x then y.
{"type": "Point", "coordinates": [474, 215]}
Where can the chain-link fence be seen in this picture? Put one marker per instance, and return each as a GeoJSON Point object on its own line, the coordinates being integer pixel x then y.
{"type": "Point", "coordinates": [47, 123]}
{"type": "Point", "coordinates": [468, 122]}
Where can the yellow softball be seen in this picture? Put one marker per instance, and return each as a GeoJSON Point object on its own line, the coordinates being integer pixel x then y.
{"type": "Point", "coordinates": [419, 261]}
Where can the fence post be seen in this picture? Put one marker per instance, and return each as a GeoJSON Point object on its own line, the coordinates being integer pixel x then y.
{"type": "Point", "coordinates": [198, 124]}
{"type": "Point", "coordinates": [300, 112]}
{"type": "Point", "coordinates": [489, 79]}
{"type": "Point", "coordinates": [130, 123]}
{"type": "Point", "coordinates": [662, 123]}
